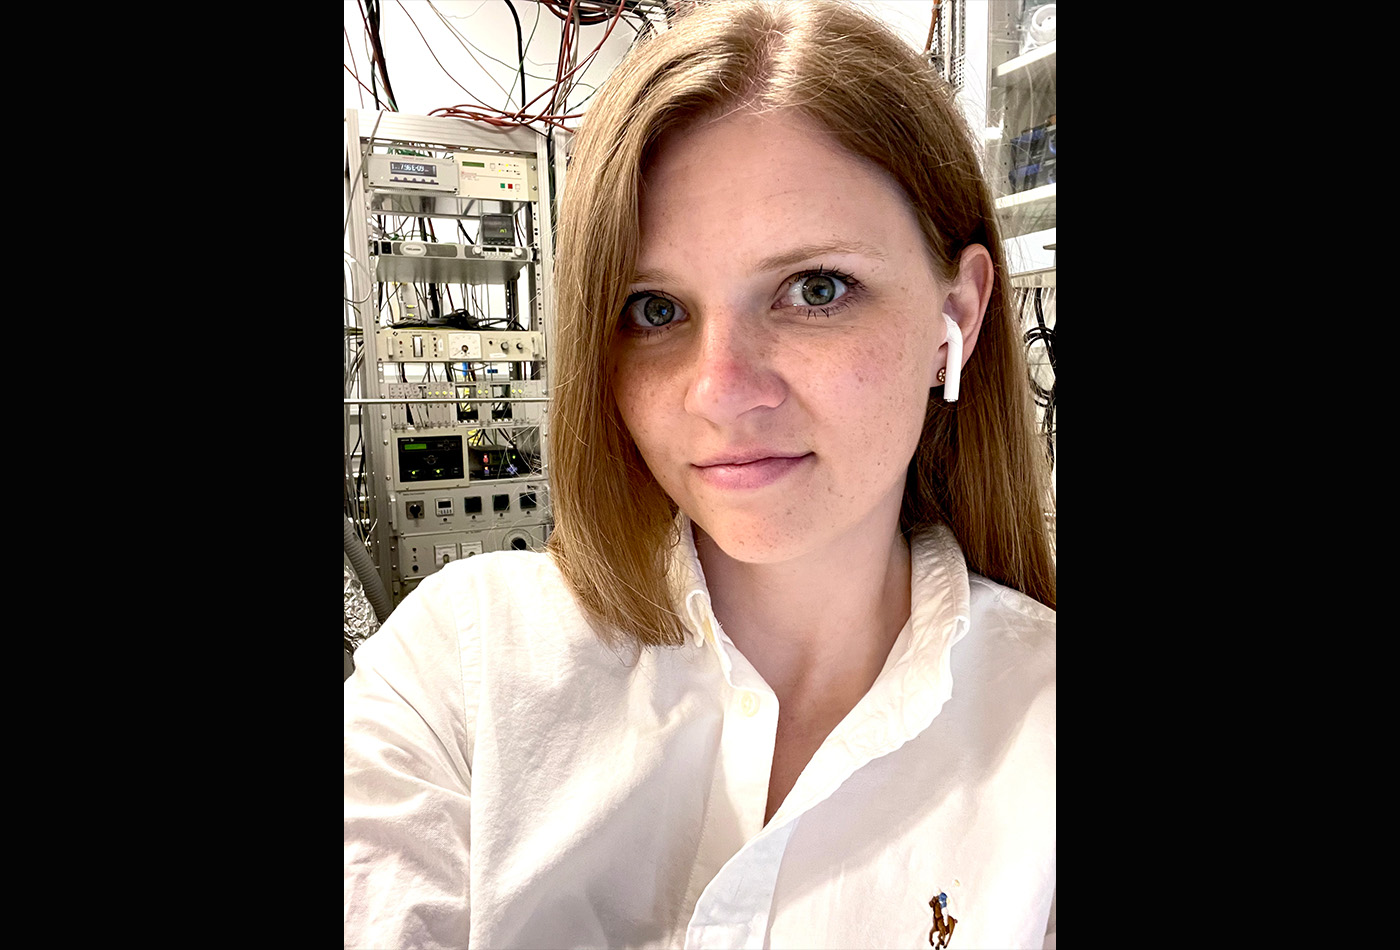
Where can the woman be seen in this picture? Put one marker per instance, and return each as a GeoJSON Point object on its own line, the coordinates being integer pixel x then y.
{"type": "Point", "coordinates": [786, 674]}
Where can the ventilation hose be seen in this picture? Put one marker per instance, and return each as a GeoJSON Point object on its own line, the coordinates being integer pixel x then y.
{"type": "Point", "coordinates": [368, 575]}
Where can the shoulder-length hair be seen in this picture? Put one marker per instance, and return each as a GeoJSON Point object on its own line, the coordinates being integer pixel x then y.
{"type": "Point", "coordinates": [979, 468]}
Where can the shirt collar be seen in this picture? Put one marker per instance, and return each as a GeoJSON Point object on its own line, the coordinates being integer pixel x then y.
{"type": "Point", "coordinates": [918, 663]}
{"type": "Point", "coordinates": [940, 598]}
{"type": "Point", "coordinates": [688, 586]}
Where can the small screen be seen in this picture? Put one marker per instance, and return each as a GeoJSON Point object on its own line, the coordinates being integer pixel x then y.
{"type": "Point", "coordinates": [413, 168]}
{"type": "Point", "coordinates": [414, 445]}
{"type": "Point", "coordinates": [473, 164]}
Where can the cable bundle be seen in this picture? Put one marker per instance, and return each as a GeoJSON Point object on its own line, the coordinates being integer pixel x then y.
{"type": "Point", "coordinates": [579, 13]}
{"type": "Point", "coordinates": [1044, 336]}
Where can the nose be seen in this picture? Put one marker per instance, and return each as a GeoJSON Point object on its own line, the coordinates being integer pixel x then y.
{"type": "Point", "coordinates": [734, 368]}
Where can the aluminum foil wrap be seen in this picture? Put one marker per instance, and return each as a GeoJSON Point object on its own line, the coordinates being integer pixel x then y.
{"type": "Point", "coordinates": [360, 622]}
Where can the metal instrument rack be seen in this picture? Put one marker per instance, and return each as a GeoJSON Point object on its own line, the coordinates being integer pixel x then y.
{"type": "Point", "coordinates": [1020, 94]}
{"type": "Point", "coordinates": [406, 548]}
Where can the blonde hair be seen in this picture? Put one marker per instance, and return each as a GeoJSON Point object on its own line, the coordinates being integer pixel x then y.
{"type": "Point", "coordinates": [979, 467]}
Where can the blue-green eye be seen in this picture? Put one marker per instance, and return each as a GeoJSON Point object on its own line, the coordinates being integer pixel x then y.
{"type": "Point", "coordinates": [647, 311]}
{"type": "Point", "coordinates": [821, 289]}
{"type": "Point", "coordinates": [659, 311]}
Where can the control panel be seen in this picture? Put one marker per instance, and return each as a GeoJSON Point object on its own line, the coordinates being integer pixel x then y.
{"type": "Point", "coordinates": [412, 173]}
{"type": "Point", "coordinates": [497, 230]}
{"type": "Point", "coordinates": [429, 457]}
{"type": "Point", "coordinates": [436, 526]}
{"type": "Point", "coordinates": [491, 176]}
{"type": "Point", "coordinates": [441, 344]}
{"type": "Point", "coordinates": [472, 507]}
{"type": "Point", "coordinates": [418, 557]}
{"type": "Point", "coordinates": [496, 177]}
{"type": "Point", "coordinates": [420, 415]}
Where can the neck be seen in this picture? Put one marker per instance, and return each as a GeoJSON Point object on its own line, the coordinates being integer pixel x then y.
{"type": "Point", "coordinates": [817, 628]}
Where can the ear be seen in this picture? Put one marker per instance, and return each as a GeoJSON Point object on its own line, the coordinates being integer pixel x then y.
{"type": "Point", "coordinates": [966, 302]}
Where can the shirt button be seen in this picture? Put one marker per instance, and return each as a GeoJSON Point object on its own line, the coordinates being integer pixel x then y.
{"type": "Point", "coordinates": [749, 704]}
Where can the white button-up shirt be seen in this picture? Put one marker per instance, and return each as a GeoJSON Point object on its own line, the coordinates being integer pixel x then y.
{"type": "Point", "coordinates": [512, 782]}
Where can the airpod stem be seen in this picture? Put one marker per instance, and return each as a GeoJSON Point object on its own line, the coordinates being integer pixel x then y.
{"type": "Point", "coordinates": [954, 367]}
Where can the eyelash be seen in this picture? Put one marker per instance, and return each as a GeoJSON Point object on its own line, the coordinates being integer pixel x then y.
{"type": "Point", "coordinates": [853, 289]}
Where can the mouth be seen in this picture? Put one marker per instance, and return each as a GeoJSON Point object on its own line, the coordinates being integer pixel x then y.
{"type": "Point", "coordinates": [749, 458]}
{"type": "Point", "coordinates": [748, 471]}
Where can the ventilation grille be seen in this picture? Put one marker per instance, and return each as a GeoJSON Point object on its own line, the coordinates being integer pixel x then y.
{"type": "Point", "coordinates": [948, 51]}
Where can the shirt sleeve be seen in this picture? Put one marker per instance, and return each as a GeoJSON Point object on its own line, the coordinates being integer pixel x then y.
{"type": "Point", "coordinates": [408, 781]}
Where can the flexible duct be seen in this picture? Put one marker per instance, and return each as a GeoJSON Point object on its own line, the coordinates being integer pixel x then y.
{"type": "Point", "coordinates": [369, 576]}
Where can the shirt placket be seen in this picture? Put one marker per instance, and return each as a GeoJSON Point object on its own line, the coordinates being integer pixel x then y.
{"type": "Point", "coordinates": [732, 909]}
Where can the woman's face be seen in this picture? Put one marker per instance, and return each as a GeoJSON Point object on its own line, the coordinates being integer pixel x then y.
{"type": "Point", "coordinates": [782, 335]}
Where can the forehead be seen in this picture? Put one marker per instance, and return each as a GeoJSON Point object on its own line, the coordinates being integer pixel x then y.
{"type": "Point", "coordinates": [748, 180]}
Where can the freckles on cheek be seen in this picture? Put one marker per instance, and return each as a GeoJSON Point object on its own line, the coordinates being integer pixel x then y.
{"type": "Point", "coordinates": [637, 398]}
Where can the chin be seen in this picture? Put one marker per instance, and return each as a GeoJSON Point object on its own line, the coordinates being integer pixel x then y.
{"type": "Point", "coordinates": [761, 539]}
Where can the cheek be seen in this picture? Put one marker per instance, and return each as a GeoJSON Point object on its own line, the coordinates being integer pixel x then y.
{"type": "Point", "coordinates": [891, 375]}
{"type": "Point", "coordinates": [886, 400]}
{"type": "Point", "coordinates": [639, 397]}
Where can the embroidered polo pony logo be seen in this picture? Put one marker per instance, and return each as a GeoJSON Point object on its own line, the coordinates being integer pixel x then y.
{"type": "Point", "coordinates": [942, 925]}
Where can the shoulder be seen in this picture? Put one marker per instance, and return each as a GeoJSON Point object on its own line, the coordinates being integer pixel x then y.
{"type": "Point", "coordinates": [514, 610]}
{"type": "Point", "coordinates": [498, 599]}
{"type": "Point", "coordinates": [504, 592]}
{"type": "Point", "coordinates": [1003, 672]}
{"type": "Point", "coordinates": [1010, 639]}
{"type": "Point", "coordinates": [1009, 611]}
{"type": "Point", "coordinates": [484, 571]}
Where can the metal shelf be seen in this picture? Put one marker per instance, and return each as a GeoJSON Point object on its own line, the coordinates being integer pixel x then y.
{"type": "Point", "coordinates": [1031, 67]}
{"type": "Point", "coordinates": [451, 264]}
{"type": "Point", "coordinates": [1045, 277]}
{"type": "Point", "coordinates": [1030, 201]}
{"type": "Point", "coordinates": [1027, 212]}
{"type": "Point", "coordinates": [417, 203]}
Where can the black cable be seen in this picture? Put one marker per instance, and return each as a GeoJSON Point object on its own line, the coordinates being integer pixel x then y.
{"type": "Point", "coordinates": [1050, 333]}
{"type": "Point", "coordinates": [372, 25]}
{"type": "Point", "coordinates": [591, 14]}
{"type": "Point", "coordinates": [1045, 398]}
{"type": "Point", "coordinates": [357, 514]}
{"type": "Point", "coordinates": [1044, 336]}
{"type": "Point", "coordinates": [520, 47]}
{"type": "Point", "coordinates": [373, 84]}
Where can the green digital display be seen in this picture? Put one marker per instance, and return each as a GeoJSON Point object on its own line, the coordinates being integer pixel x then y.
{"type": "Point", "coordinates": [414, 445]}
{"type": "Point", "coordinates": [473, 164]}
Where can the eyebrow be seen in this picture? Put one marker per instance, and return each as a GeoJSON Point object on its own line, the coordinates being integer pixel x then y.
{"type": "Point", "coordinates": [785, 258]}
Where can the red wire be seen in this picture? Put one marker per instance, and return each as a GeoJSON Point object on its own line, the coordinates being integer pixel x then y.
{"type": "Point", "coordinates": [503, 119]}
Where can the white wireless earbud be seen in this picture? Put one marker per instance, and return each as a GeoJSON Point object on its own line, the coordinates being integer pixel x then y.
{"type": "Point", "coordinates": [953, 371]}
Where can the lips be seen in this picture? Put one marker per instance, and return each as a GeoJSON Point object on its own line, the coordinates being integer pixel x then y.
{"type": "Point", "coordinates": [755, 471]}
{"type": "Point", "coordinates": [749, 456]}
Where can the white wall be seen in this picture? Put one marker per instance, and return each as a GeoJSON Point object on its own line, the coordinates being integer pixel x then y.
{"type": "Point", "coordinates": [423, 85]}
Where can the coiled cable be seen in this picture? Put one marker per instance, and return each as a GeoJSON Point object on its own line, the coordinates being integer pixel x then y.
{"type": "Point", "coordinates": [1043, 336]}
